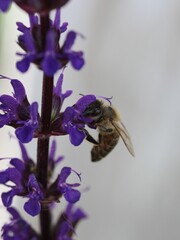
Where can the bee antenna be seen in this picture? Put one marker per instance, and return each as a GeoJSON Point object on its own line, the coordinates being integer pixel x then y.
{"type": "Point", "coordinates": [107, 99]}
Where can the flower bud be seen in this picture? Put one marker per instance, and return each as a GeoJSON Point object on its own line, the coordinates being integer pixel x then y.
{"type": "Point", "coordinates": [40, 6]}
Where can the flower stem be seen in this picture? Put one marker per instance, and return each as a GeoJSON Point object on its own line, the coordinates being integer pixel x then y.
{"type": "Point", "coordinates": [43, 152]}
{"type": "Point", "coordinates": [43, 142]}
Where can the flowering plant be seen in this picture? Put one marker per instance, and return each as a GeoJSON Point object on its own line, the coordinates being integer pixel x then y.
{"type": "Point", "coordinates": [34, 180]}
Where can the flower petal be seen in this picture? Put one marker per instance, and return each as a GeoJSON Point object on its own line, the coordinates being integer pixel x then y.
{"type": "Point", "coordinates": [23, 65]}
{"type": "Point", "coordinates": [19, 91]}
{"type": "Point", "coordinates": [8, 102]}
{"type": "Point", "coordinates": [14, 175]}
{"type": "Point", "coordinates": [69, 41]}
{"type": "Point", "coordinates": [50, 65]}
{"type": "Point", "coordinates": [77, 60]}
{"type": "Point", "coordinates": [72, 195]}
{"type": "Point", "coordinates": [64, 174]}
{"type": "Point", "coordinates": [76, 136]}
{"type": "Point", "coordinates": [4, 5]}
{"type": "Point", "coordinates": [25, 133]}
{"type": "Point", "coordinates": [3, 177]}
{"type": "Point", "coordinates": [84, 102]}
{"type": "Point", "coordinates": [8, 197]}
{"type": "Point", "coordinates": [18, 164]}
{"type": "Point", "coordinates": [13, 212]}
{"type": "Point", "coordinates": [32, 207]}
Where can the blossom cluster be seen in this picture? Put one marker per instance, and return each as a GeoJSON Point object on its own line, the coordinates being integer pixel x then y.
{"type": "Point", "coordinates": [54, 56]}
{"type": "Point", "coordinates": [18, 113]}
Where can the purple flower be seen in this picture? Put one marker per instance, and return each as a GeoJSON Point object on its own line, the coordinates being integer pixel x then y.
{"type": "Point", "coordinates": [67, 222]}
{"type": "Point", "coordinates": [73, 123]}
{"type": "Point", "coordinates": [33, 6]}
{"type": "Point", "coordinates": [18, 228]}
{"type": "Point", "coordinates": [54, 57]}
{"type": "Point", "coordinates": [72, 126]}
{"type": "Point", "coordinates": [70, 194]}
{"type": "Point", "coordinates": [76, 58]}
{"type": "Point", "coordinates": [18, 113]}
{"type": "Point", "coordinates": [61, 187]}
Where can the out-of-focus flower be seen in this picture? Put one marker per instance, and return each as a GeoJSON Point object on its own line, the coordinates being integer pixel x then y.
{"type": "Point", "coordinates": [54, 56]}
{"type": "Point", "coordinates": [17, 112]}
{"type": "Point", "coordinates": [67, 223]}
{"type": "Point", "coordinates": [33, 6]}
{"type": "Point", "coordinates": [18, 228]}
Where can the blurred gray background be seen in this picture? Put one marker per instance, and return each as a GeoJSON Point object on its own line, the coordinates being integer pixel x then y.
{"type": "Point", "coordinates": [132, 51]}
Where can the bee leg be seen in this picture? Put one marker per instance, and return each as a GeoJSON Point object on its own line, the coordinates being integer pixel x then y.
{"type": "Point", "coordinates": [89, 138]}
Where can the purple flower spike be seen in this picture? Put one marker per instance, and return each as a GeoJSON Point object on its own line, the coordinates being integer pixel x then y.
{"type": "Point", "coordinates": [18, 228]}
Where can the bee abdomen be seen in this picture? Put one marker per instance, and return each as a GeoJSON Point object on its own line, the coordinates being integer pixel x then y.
{"type": "Point", "coordinates": [106, 145]}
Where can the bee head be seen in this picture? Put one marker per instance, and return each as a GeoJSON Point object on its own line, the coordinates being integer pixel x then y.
{"type": "Point", "coordinates": [94, 111]}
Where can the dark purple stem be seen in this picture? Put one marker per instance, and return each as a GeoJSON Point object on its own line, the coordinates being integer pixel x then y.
{"type": "Point", "coordinates": [43, 142]}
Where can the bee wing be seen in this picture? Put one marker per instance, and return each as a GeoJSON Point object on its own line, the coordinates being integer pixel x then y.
{"type": "Point", "coordinates": [123, 132]}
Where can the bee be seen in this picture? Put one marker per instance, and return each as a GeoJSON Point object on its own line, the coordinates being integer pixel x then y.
{"type": "Point", "coordinates": [107, 121]}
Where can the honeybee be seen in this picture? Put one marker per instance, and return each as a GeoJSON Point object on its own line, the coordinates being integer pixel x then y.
{"type": "Point", "coordinates": [110, 127]}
